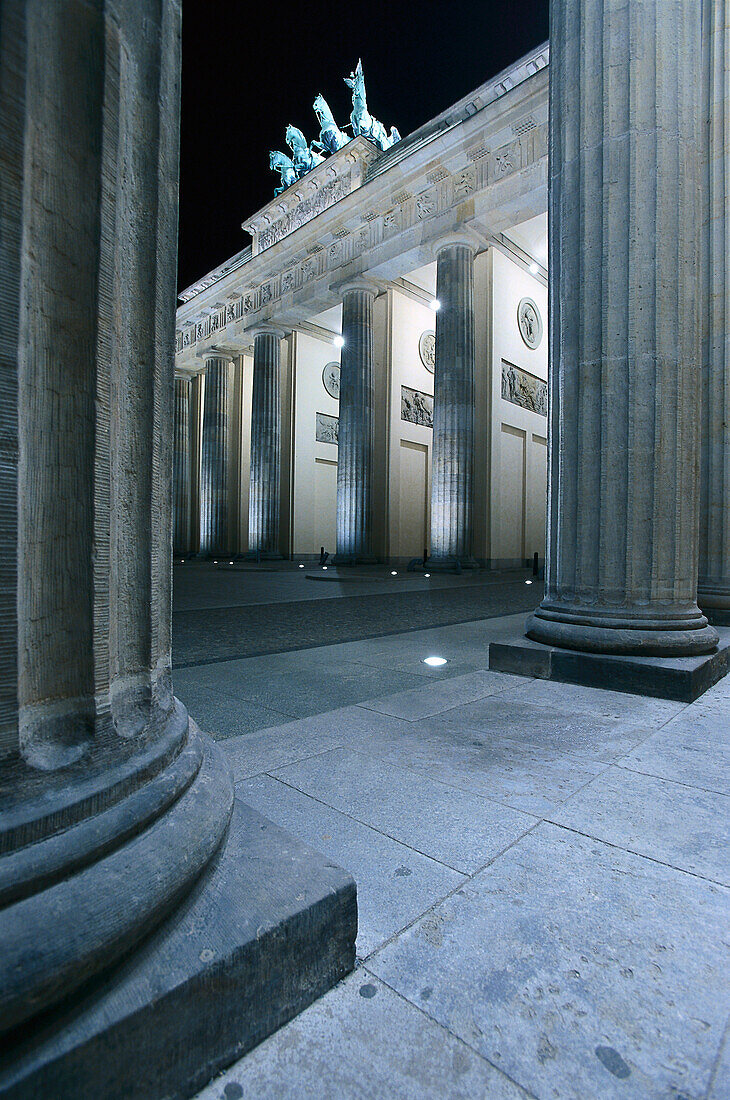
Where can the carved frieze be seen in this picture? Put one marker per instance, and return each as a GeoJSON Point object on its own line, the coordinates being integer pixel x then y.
{"type": "Point", "coordinates": [416, 407]}
{"type": "Point", "coordinates": [524, 389]}
{"type": "Point", "coordinates": [305, 210]}
{"type": "Point", "coordinates": [327, 428]}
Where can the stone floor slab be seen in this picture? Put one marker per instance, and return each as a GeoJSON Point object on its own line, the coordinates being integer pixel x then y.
{"type": "Point", "coordinates": [362, 1042]}
{"type": "Point", "coordinates": [427, 700]}
{"type": "Point", "coordinates": [671, 822]}
{"type": "Point", "coordinates": [694, 748]}
{"type": "Point", "coordinates": [423, 813]}
{"type": "Point", "coordinates": [579, 969]}
{"type": "Point", "coordinates": [394, 883]}
{"type": "Point", "coordinates": [595, 702]}
{"type": "Point", "coordinates": [597, 737]}
{"type": "Point", "coordinates": [527, 777]}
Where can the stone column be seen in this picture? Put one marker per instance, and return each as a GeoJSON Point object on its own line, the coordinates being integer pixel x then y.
{"type": "Point", "coordinates": [453, 408]}
{"type": "Point", "coordinates": [181, 468]}
{"type": "Point", "coordinates": [622, 544]}
{"type": "Point", "coordinates": [714, 572]}
{"type": "Point", "coordinates": [263, 507]}
{"type": "Point", "coordinates": [214, 535]}
{"type": "Point", "coordinates": [113, 803]}
{"type": "Point", "coordinates": [354, 454]}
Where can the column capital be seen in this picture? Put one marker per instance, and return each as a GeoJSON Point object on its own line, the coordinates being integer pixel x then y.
{"type": "Point", "coordinates": [465, 237]}
{"type": "Point", "coordinates": [357, 282]}
{"type": "Point", "coordinates": [264, 328]}
{"type": "Point", "coordinates": [215, 353]}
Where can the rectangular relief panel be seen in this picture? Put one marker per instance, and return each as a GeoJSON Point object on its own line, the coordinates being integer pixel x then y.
{"type": "Point", "coordinates": [416, 407]}
{"type": "Point", "coordinates": [328, 428]}
{"type": "Point", "coordinates": [524, 389]}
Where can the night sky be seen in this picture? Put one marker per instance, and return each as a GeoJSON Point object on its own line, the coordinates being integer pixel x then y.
{"type": "Point", "coordinates": [250, 68]}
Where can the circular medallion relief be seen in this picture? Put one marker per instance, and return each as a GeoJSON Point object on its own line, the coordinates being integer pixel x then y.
{"type": "Point", "coordinates": [530, 322]}
{"type": "Point", "coordinates": [331, 380]}
{"type": "Point", "coordinates": [427, 349]}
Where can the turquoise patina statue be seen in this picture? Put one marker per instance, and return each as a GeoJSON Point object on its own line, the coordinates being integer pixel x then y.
{"type": "Point", "coordinates": [281, 163]}
{"type": "Point", "coordinates": [363, 124]}
{"type": "Point", "coordinates": [305, 158]}
{"type": "Point", "coordinates": [331, 138]}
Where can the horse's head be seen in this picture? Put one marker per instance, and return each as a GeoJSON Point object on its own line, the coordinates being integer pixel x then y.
{"type": "Point", "coordinates": [278, 160]}
{"type": "Point", "coordinates": [356, 80]}
{"type": "Point", "coordinates": [320, 107]}
{"type": "Point", "coordinates": [295, 139]}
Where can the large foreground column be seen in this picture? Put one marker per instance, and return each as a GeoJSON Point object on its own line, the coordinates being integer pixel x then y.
{"type": "Point", "coordinates": [112, 804]}
{"type": "Point", "coordinates": [214, 460]}
{"type": "Point", "coordinates": [263, 508]}
{"type": "Point", "coordinates": [714, 575]}
{"type": "Point", "coordinates": [354, 453]}
{"type": "Point", "coordinates": [624, 373]}
{"type": "Point", "coordinates": [181, 468]}
{"type": "Point", "coordinates": [453, 408]}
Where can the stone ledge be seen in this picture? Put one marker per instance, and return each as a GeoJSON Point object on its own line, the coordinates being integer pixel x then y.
{"type": "Point", "coordinates": [681, 678]}
{"type": "Point", "coordinates": [265, 932]}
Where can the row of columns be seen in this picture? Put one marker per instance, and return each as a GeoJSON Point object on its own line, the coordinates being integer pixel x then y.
{"type": "Point", "coordinates": [453, 442]}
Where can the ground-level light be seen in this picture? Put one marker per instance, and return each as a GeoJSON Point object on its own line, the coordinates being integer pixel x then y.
{"type": "Point", "coordinates": [434, 662]}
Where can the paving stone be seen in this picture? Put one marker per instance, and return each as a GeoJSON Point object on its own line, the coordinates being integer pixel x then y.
{"type": "Point", "coordinates": [423, 702]}
{"type": "Point", "coordinates": [720, 1088]}
{"type": "Point", "coordinates": [362, 1042]}
{"type": "Point", "coordinates": [394, 883]}
{"type": "Point", "coordinates": [579, 969]}
{"type": "Point", "coordinates": [677, 824]}
{"type": "Point", "coordinates": [593, 737]}
{"type": "Point", "coordinates": [694, 748]}
{"type": "Point", "coordinates": [593, 701]}
{"type": "Point", "coordinates": [222, 716]}
{"type": "Point", "coordinates": [424, 814]}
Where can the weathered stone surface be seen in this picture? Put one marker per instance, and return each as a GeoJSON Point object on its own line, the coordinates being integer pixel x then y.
{"type": "Point", "coordinates": [181, 541]}
{"type": "Point", "coordinates": [265, 933]}
{"type": "Point", "coordinates": [714, 568]}
{"type": "Point", "coordinates": [214, 525]}
{"type": "Point", "coordinates": [622, 548]}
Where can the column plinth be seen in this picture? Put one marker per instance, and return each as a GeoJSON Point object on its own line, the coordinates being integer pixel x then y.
{"type": "Point", "coordinates": [714, 569]}
{"type": "Point", "coordinates": [622, 543]}
{"type": "Point", "coordinates": [265, 483]}
{"type": "Point", "coordinates": [453, 410]}
{"type": "Point", "coordinates": [355, 441]}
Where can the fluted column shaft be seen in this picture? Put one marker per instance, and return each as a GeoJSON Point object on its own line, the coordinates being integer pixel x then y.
{"type": "Point", "coordinates": [354, 454]}
{"type": "Point", "coordinates": [453, 407]}
{"type": "Point", "coordinates": [102, 779]}
{"type": "Point", "coordinates": [181, 468]}
{"type": "Point", "coordinates": [214, 460]}
{"type": "Point", "coordinates": [714, 571]}
{"type": "Point", "coordinates": [263, 508]}
{"type": "Point", "coordinates": [622, 542]}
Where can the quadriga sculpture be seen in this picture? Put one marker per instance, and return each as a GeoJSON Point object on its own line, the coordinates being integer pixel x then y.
{"type": "Point", "coordinates": [331, 138]}
{"type": "Point", "coordinates": [281, 163]}
{"type": "Point", "coordinates": [363, 124]}
{"type": "Point", "coordinates": [305, 157]}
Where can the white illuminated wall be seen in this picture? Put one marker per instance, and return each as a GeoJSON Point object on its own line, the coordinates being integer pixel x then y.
{"type": "Point", "coordinates": [518, 451]}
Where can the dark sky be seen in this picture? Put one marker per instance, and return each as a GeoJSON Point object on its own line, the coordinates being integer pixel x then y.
{"type": "Point", "coordinates": [250, 68]}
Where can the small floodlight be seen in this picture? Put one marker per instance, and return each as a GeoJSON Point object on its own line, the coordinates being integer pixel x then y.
{"type": "Point", "coordinates": [339, 341]}
{"type": "Point", "coordinates": [427, 574]}
{"type": "Point", "coordinates": [434, 662]}
{"type": "Point", "coordinates": [394, 572]}
{"type": "Point", "coordinates": [528, 582]}
{"type": "Point", "coordinates": [324, 567]}
{"type": "Point", "coordinates": [301, 566]}
{"type": "Point", "coordinates": [534, 268]}
{"type": "Point", "coordinates": [435, 305]}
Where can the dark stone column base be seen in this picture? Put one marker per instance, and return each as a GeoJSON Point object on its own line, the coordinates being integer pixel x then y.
{"type": "Point", "coordinates": [354, 559]}
{"type": "Point", "coordinates": [450, 565]}
{"type": "Point", "coordinates": [264, 555]}
{"type": "Point", "coordinates": [268, 929]}
{"type": "Point", "coordinates": [680, 678]}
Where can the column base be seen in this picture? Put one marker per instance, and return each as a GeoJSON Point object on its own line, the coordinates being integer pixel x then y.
{"type": "Point", "coordinates": [680, 678]}
{"type": "Point", "coordinates": [714, 600]}
{"type": "Point", "coordinates": [268, 929]}
{"type": "Point", "coordinates": [684, 632]}
{"type": "Point", "coordinates": [450, 565]}
{"type": "Point", "coordinates": [264, 555]}
{"type": "Point", "coordinates": [354, 559]}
